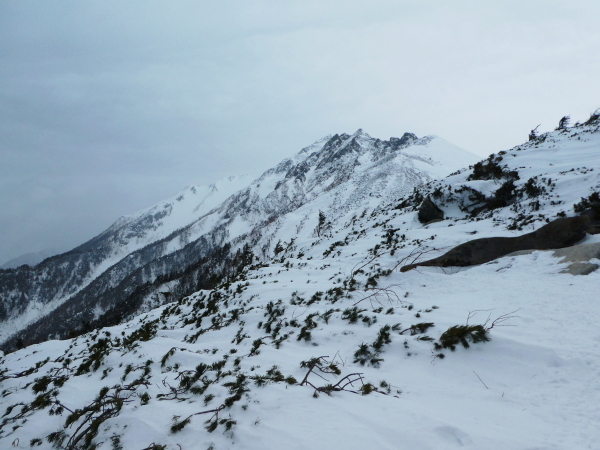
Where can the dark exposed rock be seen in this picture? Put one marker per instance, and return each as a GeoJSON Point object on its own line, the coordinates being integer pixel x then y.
{"type": "Point", "coordinates": [429, 211]}
{"type": "Point", "coordinates": [298, 171]}
{"type": "Point", "coordinates": [557, 234]}
{"type": "Point", "coordinates": [396, 143]}
{"type": "Point", "coordinates": [594, 216]}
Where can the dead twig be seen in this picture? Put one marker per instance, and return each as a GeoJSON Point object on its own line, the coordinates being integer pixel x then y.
{"type": "Point", "coordinates": [499, 321]}
{"type": "Point", "coordinates": [321, 364]}
{"type": "Point", "coordinates": [474, 313]}
{"type": "Point", "coordinates": [412, 257]}
{"type": "Point", "coordinates": [480, 380]}
{"type": "Point", "coordinates": [355, 271]}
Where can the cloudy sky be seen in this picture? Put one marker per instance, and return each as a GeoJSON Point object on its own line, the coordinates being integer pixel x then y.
{"type": "Point", "coordinates": [107, 107]}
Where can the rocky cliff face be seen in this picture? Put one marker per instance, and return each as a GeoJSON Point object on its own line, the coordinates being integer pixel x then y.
{"type": "Point", "coordinates": [205, 233]}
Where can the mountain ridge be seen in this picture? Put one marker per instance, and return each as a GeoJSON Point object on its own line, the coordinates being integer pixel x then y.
{"type": "Point", "coordinates": [121, 259]}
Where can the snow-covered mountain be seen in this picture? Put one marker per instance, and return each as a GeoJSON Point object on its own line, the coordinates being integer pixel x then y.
{"type": "Point", "coordinates": [29, 293]}
{"type": "Point", "coordinates": [130, 233]}
{"type": "Point", "coordinates": [325, 343]}
{"type": "Point", "coordinates": [188, 242]}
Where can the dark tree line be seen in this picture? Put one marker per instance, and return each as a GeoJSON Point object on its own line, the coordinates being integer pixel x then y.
{"type": "Point", "coordinates": [207, 272]}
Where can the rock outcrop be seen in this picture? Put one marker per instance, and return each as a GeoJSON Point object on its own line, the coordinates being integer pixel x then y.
{"type": "Point", "coordinates": [594, 215]}
{"type": "Point", "coordinates": [556, 234]}
{"type": "Point", "coordinates": [429, 211]}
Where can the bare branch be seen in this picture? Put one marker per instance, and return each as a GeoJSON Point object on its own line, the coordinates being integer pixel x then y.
{"type": "Point", "coordinates": [474, 313]}
{"type": "Point", "coordinates": [386, 292]}
{"type": "Point", "coordinates": [499, 321]}
{"type": "Point", "coordinates": [377, 255]}
{"type": "Point", "coordinates": [412, 257]}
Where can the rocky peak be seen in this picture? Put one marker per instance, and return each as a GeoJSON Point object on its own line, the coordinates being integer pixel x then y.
{"type": "Point", "coordinates": [406, 138]}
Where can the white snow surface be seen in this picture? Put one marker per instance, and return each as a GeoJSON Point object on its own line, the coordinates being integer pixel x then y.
{"type": "Point", "coordinates": [534, 385]}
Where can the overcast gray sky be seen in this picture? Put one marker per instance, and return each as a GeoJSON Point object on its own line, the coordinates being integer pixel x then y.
{"type": "Point", "coordinates": [107, 107]}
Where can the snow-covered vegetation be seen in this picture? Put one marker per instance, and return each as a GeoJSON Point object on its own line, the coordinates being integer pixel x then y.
{"type": "Point", "coordinates": [319, 341]}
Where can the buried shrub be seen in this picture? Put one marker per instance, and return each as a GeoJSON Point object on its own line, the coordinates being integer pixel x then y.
{"type": "Point", "coordinates": [369, 354]}
{"type": "Point", "coordinates": [364, 355]}
{"type": "Point", "coordinates": [490, 169]}
{"type": "Point", "coordinates": [592, 202]}
{"type": "Point", "coordinates": [462, 334]}
{"type": "Point", "coordinates": [466, 334]}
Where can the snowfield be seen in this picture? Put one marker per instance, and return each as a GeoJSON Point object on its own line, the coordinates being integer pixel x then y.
{"type": "Point", "coordinates": [326, 344]}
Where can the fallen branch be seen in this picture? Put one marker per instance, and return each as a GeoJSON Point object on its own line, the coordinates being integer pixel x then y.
{"type": "Point", "coordinates": [412, 257]}
{"type": "Point", "coordinates": [377, 255]}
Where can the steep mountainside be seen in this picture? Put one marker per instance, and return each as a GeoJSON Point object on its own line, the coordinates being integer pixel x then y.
{"type": "Point", "coordinates": [325, 343]}
{"type": "Point", "coordinates": [28, 293]}
{"type": "Point", "coordinates": [190, 241]}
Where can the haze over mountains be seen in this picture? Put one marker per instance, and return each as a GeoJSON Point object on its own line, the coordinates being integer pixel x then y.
{"type": "Point", "coordinates": [31, 259]}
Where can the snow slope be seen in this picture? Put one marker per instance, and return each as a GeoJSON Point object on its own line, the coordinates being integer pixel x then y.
{"type": "Point", "coordinates": [159, 221]}
{"type": "Point", "coordinates": [328, 345]}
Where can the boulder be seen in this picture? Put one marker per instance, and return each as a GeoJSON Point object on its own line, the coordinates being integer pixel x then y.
{"type": "Point", "coordinates": [429, 211]}
{"type": "Point", "coordinates": [556, 234]}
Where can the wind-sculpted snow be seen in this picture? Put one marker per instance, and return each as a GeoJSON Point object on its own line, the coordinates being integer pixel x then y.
{"type": "Point", "coordinates": [121, 270]}
{"type": "Point", "coordinates": [324, 343]}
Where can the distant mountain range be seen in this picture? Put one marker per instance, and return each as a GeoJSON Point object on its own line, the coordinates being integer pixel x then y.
{"type": "Point", "coordinates": [30, 259]}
